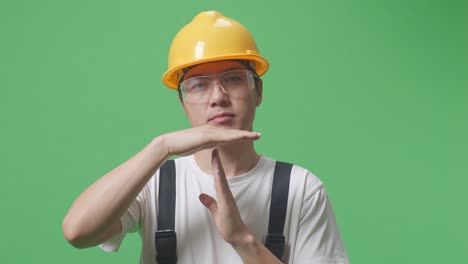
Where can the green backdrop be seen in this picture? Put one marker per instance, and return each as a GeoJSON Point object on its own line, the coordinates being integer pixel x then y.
{"type": "Point", "coordinates": [371, 96]}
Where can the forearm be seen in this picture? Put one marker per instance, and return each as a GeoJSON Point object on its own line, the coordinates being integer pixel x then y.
{"type": "Point", "coordinates": [253, 252]}
{"type": "Point", "coordinates": [102, 204]}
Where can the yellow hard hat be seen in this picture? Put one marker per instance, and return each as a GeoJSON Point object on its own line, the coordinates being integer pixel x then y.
{"type": "Point", "coordinates": [210, 36]}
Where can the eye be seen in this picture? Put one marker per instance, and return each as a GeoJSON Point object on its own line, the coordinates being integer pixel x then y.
{"type": "Point", "coordinates": [197, 85]}
{"type": "Point", "coordinates": [233, 78]}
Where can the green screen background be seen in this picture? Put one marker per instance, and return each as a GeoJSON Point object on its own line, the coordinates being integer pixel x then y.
{"type": "Point", "coordinates": [371, 96]}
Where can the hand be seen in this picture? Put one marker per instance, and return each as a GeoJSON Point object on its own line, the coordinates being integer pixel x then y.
{"type": "Point", "coordinates": [224, 210]}
{"type": "Point", "coordinates": [189, 141]}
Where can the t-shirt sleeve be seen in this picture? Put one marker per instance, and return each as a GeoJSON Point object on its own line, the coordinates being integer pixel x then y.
{"type": "Point", "coordinates": [319, 240]}
{"type": "Point", "coordinates": [130, 220]}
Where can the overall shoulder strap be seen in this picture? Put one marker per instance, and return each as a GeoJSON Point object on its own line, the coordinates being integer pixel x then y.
{"type": "Point", "coordinates": [275, 241]}
{"type": "Point", "coordinates": [165, 237]}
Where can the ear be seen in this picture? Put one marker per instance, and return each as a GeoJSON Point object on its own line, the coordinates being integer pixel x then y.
{"type": "Point", "coordinates": [181, 100]}
{"type": "Point", "coordinates": [259, 92]}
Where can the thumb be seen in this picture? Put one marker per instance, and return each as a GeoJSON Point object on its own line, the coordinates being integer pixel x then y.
{"type": "Point", "coordinates": [209, 202]}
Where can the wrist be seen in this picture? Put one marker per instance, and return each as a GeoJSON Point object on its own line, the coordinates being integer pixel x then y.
{"type": "Point", "coordinates": [247, 242]}
{"type": "Point", "coordinates": [159, 144]}
{"type": "Point", "coordinates": [253, 251]}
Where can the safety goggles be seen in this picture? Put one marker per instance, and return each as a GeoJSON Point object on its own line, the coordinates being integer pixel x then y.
{"type": "Point", "coordinates": [235, 83]}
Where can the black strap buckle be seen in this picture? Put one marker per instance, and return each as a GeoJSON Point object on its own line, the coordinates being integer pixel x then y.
{"type": "Point", "coordinates": [166, 246]}
{"type": "Point", "coordinates": [275, 243]}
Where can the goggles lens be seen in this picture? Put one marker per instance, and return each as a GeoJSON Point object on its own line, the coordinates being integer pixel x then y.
{"type": "Point", "coordinates": [235, 83]}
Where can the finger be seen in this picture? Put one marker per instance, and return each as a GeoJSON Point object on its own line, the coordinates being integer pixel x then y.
{"type": "Point", "coordinates": [209, 202]}
{"type": "Point", "coordinates": [221, 185]}
{"type": "Point", "coordinates": [225, 134]}
{"type": "Point", "coordinates": [242, 135]}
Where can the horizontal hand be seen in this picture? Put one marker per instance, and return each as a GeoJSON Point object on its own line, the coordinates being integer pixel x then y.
{"type": "Point", "coordinates": [189, 141]}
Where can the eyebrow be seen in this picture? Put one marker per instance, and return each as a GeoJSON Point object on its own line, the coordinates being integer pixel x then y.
{"type": "Point", "coordinates": [240, 67]}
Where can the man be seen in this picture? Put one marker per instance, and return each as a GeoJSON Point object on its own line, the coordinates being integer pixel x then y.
{"type": "Point", "coordinates": [223, 187]}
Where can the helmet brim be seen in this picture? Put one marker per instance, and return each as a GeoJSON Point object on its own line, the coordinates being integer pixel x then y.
{"type": "Point", "coordinates": [171, 77]}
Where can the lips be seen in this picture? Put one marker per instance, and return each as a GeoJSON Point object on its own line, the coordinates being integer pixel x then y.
{"type": "Point", "coordinates": [220, 115]}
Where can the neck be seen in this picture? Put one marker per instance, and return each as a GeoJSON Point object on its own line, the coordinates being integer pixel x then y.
{"type": "Point", "coordinates": [236, 158]}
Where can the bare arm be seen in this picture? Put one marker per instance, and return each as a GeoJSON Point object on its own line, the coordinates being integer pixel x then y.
{"type": "Point", "coordinates": [95, 214]}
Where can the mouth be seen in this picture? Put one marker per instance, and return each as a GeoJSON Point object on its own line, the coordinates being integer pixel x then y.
{"type": "Point", "coordinates": [221, 117]}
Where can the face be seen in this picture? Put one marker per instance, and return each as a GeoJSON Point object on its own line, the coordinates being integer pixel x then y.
{"type": "Point", "coordinates": [222, 109]}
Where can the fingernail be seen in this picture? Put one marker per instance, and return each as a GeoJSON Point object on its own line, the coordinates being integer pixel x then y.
{"type": "Point", "coordinates": [202, 198]}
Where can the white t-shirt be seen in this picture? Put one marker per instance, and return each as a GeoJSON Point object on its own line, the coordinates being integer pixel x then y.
{"type": "Point", "coordinates": [310, 230]}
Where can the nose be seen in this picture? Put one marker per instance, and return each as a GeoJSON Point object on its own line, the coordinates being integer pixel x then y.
{"type": "Point", "coordinates": [219, 96]}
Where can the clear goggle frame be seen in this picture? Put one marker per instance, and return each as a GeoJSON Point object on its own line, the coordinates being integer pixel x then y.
{"type": "Point", "coordinates": [235, 83]}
